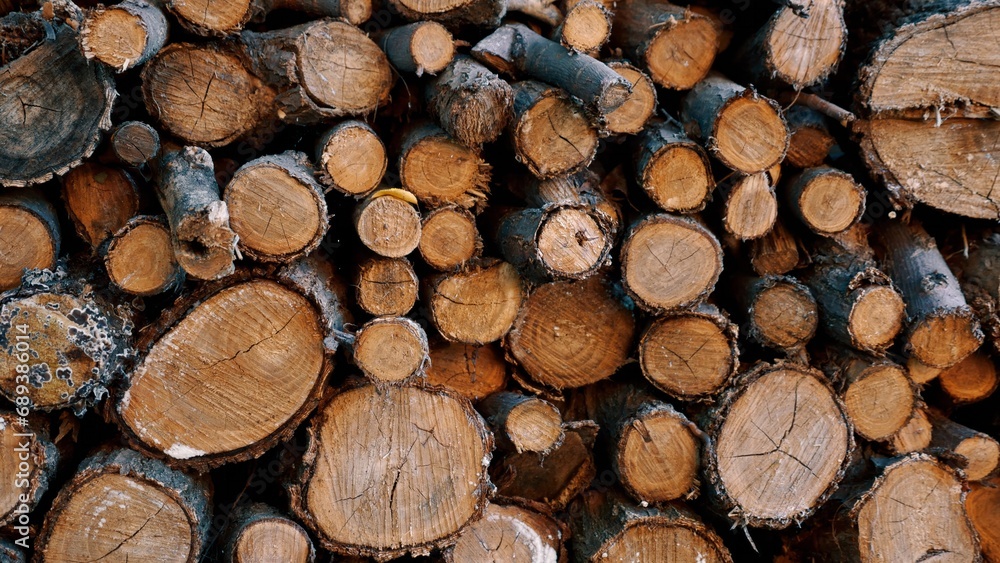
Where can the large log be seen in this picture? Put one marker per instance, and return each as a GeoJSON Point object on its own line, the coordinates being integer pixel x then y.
{"type": "Point", "coordinates": [29, 235]}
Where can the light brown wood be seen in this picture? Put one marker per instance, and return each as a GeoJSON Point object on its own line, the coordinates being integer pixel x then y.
{"type": "Point", "coordinates": [585, 27]}
{"type": "Point", "coordinates": [980, 451]}
{"type": "Point", "coordinates": [920, 373]}
{"type": "Point", "coordinates": [29, 235]}
{"type": "Point", "coordinates": [258, 533]}
{"type": "Point", "coordinates": [632, 115]}
{"type": "Point", "coordinates": [471, 371]}
{"type": "Point", "coordinates": [387, 225]}
{"type": "Point", "coordinates": [523, 423]}
{"type": "Point", "coordinates": [570, 334]}
{"type": "Point", "coordinates": [878, 397]}
{"type": "Point", "coordinates": [449, 238]}
{"type": "Point", "coordinates": [386, 286]}
{"type": "Point", "coordinates": [351, 158]}
{"type": "Point", "coordinates": [915, 435]}
{"type": "Point", "coordinates": [669, 263]}
{"type": "Point", "coordinates": [690, 355]}
{"type": "Point", "coordinates": [471, 102]}
{"type": "Point", "coordinates": [826, 200]}
{"type": "Point", "coordinates": [440, 170]}
{"type": "Point", "coordinates": [765, 432]}
{"type": "Point", "coordinates": [543, 114]}
{"type": "Point", "coordinates": [982, 504]}
{"type": "Point", "coordinates": [125, 35]}
{"type": "Point", "coordinates": [477, 305]}
{"type": "Point", "coordinates": [99, 200]}
{"type": "Point", "coordinates": [419, 47]}
{"type": "Point", "coordinates": [672, 169]}
{"type": "Point", "coordinates": [390, 350]}
{"type": "Point", "coordinates": [135, 143]}
{"type": "Point", "coordinates": [971, 380]}
{"type": "Point", "coordinates": [276, 208]}
{"type": "Point", "coordinates": [775, 253]}
{"type": "Point", "coordinates": [28, 468]}
{"type": "Point", "coordinates": [402, 446]}
{"type": "Point", "coordinates": [751, 207]}
{"type": "Point", "coordinates": [140, 258]}
{"type": "Point", "coordinates": [809, 140]}
{"type": "Point", "coordinates": [782, 312]}
{"type": "Point", "coordinates": [509, 533]}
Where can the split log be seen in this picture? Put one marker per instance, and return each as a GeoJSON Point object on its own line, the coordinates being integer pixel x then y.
{"type": "Point", "coordinates": [572, 333]}
{"type": "Point", "coordinates": [970, 380]}
{"type": "Point", "coordinates": [99, 200]}
{"type": "Point", "coordinates": [62, 343]}
{"type": "Point", "coordinates": [181, 91]}
{"type": "Point", "coordinates": [608, 527]}
{"type": "Point", "coordinates": [809, 140]}
{"type": "Point", "coordinates": [674, 44]}
{"type": "Point", "coordinates": [751, 207]}
{"type": "Point", "coordinates": [471, 371]}
{"type": "Point", "coordinates": [51, 89]}
{"type": "Point", "coordinates": [124, 504]}
{"type": "Point", "coordinates": [419, 47]}
{"type": "Point", "coordinates": [27, 469]}
{"type": "Point", "coordinates": [672, 169]}
{"type": "Point", "coordinates": [386, 286]}
{"type": "Point", "coordinates": [632, 115]}
{"type": "Point", "coordinates": [384, 440]}
{"type": "Point", "coordinates": [276, 208]}
{"type": "Point", "coordinates": [781, 312]}
{"type": "Point", "coordinates": [982, 504]}
{"type": "Point", "coordinates": [915, 436]}
{"type": "Point", "coordinates": [796, 49]}
{"type": "Point", "coordinates": [543, 114]}
{"type": "Point", "coordinates": [859, 304]}
{"type": "Point", "coordinates": [202, 17]}
{"type": "Point", "coordinates": [888, 529]}
{"type": "Point", "coordinates": [878, 396]}
{"type": "Point", "coordinates": [388, 225]}
{"type": "Point", "coordinates": [669, 263]}
{"type": "Point", "coordinates": [449, 238]}
{"type": "Point", "coordinates": [454, 14]}
{"type": "Point", "coordinates": [477, 305]}
{"type": "Point", "coordinates": [390, 350]}
{"type": "Point", "coordinates": [351, 158]}
{"type": "Point", "coordinates": [471, 103]}
{"type": "Point", "coordinates": [776, 253]}
{"type": "Point", "coordinates": [258, 533]}
{"type": "Point", "coordinates": [741, 128]}
{"type": "Point", "coordinates": [586, 25]}
{"type": "Point", "coordinates": [690, 355]}
{"type": "Point", "coordinates": [125, 35]}
{"type": "Point", "coordinates": [135, 143]}
{"type": "Point", "coordinates": [203, 242]}
{"type": "Point", "coordinates": [439, 170]}
{"type": "Point", "coordinates": [980, 452]}
{"type": "Point", "coordinates": [943, 329]}
{"type": "Point", "coordinates": [510, 533]}
{"type": "Point", "coordinates": [523, 423]}
{"type": "Point", "coordinates": [826, 200]}
{"type": "Point", "coordinates": [552, 481]}
{"type": "Point", "coordinates": [140, 260]}
{"type": "Point", "coordinates": [515, 49]}
{"type": "Point", "coordinates": [315, 88]}
{"type": "Point", "coordinates": [906, 94]}
{"type": "Point", "coordinates": [654, 449]}
{"type": "Point", "coordinates": [29, 235]}
{"type": "Point", "coordinates": [203, 372]}
{"type": "Point", "coordinates": [764, 430]}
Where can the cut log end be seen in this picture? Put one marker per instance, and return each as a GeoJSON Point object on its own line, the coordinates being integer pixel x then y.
{"type": "Point", "coordinates": [391, 350]}
{"type": "Point", "coordinates": [386, 286]}
{"type": "Point", "coordinates": [682, 51]}
{"type": "Point", "coordinates": [768, 435]}
{"type": "Point", "coordinates": [391, 436]}
{"type": "Point", "coordinates": [135, 143]}
{"type": "Point", "coordinates": [449, 238]}
{"type": "Point", "coordinates": [244, 334]}
{"type": "Point", "coordinates": [775, 253]}
{"type": "Point", "coordinates": [552, 136]}
{"type": "Point", "coordinates": [471, 371]}
{"type": "Point", "coordinates": [29, 238]}
{"type": "Point", "coordinates": [632, 115]}
{"type": "Point", "coordinates": [209, 18]}
{"type": "Point", "coordinates": [879, 401]}
{"type": "Point", "coordinates": [801, 51]}
{"type": "Point", "coordinates": [982, 504]}
{"type": "Point", "coordinates": [432, 47]}
{"type": "Point", "coordinates": [558, 340]}
{"type": "Point", "coordinates": [658, 457]}
{"type": "Point", "coordinates": [675, 171]}
{"type": "Point", "coordinates": [352, 158]}
{"type": "Point", "coordinates": [943, 340]}
{"type": "Point", "coordinates": [572, 242]}
{"type": "Point", "coordinates": [654, 279]}
{"type": "Point", "coordinates": [783, 314]}
{"type": "Point", "coordinates": [97, 218]}
{"type": "Point", "coordinates": [476, 306]}
{"type": "Point", "coordinates": [689, 355]}
{"type": "Point", "coordinates": [123, 36]}
{"type": "Point", "coordinates": [523, 423]}
{"type": "Point", "coordinates": [751, 208]}
{"type": "Point", "coordinates": [750, 134]}
{"type": "Point", "coordinates": [970, 380]}
{"type": "Point", "coordinates": [876, 318]}
{"type": "Point", "coordinates": [140, 258]}
{"type": "Point", "coordinates": [509, 533]}
{"type": "Point", "coordinates": [914, 436]}
{"type": "Point", "coordinates": [273, 540]}
{"type": "Point", "coordinates": [439, 170]}
{"type": "Point", "coordinates": [826, 200]}
{"type": "Point", "coordinates": [586, 26]}
{"type": "Point", "coordinates": [388, 226]}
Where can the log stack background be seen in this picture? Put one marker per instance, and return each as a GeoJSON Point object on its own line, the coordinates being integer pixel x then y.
{"type": "Point", "coordinates": [494, 280]}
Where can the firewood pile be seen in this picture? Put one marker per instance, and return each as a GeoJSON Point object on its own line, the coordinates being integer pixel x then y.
{"type": "Point", "coordinates": [499, 280]}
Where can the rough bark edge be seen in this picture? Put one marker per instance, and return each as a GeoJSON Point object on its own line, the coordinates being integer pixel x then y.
{"type": "Point", "coordinates": [690, 224]}
{"type": "Point", "coordinates": [150, 17]}
{"type": "Point", "coordinates": [322, 157]}
{"type": "Point", "coordinates": [44, 452]}
{"type": "Point", "coordinates": [109, 245]}
{"type": "Point", "coordinates": [755, 288]}
{"type": "Point", "coordinates": [192, 494]}
{"type": "Point", "coordinates": [297, 166]}
{"type": "Point", "coordinates": [322, 298]}
{"type": "Point", "coordinates": [244, 516]}
{"type": "Point", "coordinates": [477, 244]}
{"type": "Point", "coordinates": [33, 201]}
{"type": "Point", "coordinates": [719, 495]}
{"type": "Point", "coordinates": [476, 266]}
{"type": "Point", "coordinates": [652, 143]}
{"type": "Point", "coordinates": [297, 486]}
{"type": "Point", "coordinates": [417, 375]}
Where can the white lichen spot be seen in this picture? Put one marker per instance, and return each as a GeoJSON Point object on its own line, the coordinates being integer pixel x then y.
{"type": "Point", "coordinates": [180, 451]}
